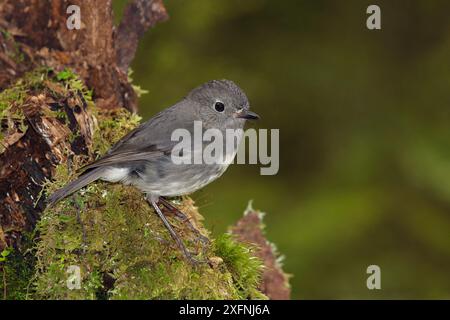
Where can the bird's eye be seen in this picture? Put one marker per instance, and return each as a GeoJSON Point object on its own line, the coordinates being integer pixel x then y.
{"type": "Point", "coordinates": [219, 106]}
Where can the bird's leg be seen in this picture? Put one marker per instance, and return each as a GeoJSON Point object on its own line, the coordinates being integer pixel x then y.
{"type": "Point", "coordinates": [171, 231]}
{"type": "Point", "coordinates": [180, 215]}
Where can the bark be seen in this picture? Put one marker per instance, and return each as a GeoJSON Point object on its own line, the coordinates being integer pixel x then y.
{"type": "Point", "coordinates": [139, 16]}
{"type": "Point", "coordinates": [34, 34]}
{"type": "Point", "coordinates": [249, 229]}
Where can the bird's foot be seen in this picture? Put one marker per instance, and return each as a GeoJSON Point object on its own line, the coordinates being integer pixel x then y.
{"type": "Point", "coordinates": [188, 255]}
{"type": "Point", "coordinates": [199, 237]}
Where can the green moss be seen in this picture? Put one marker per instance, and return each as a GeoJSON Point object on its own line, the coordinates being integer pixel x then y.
{"type": "Point", "coordinates": [16, 94]}
{"type": "Point", "coordinates": [41, 79]}
{"type": "Point", "coordinates": [44, 82]}
{"type": "Point", "coordinates": [16, 271]}
{"type": "Point", "coordinates": [112, 126]}
{"type": "Point", "coordinates": [244, 267]}
{"type": "Point", "coordinates": [66, 74]}
{"type": "Point", "coordinates": [124, 252]}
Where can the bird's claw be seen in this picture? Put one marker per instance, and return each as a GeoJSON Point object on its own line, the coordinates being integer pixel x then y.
{"type": "Point", "coordinates": [186, 220]}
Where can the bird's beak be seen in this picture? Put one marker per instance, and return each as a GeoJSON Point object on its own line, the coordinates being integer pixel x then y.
{"type": "Point", "coordinates": [246, 114]}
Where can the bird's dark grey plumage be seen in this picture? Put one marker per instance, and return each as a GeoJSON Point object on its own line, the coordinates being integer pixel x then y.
{"type": "Point", "coordinates": [143, 157]}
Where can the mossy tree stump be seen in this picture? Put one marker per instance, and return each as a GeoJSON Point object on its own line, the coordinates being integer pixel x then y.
{"type": "Point", "coordinates": [62, 105]}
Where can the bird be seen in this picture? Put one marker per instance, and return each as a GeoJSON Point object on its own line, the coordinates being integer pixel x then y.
{"type": "Point", "coordinates": [143, 157]}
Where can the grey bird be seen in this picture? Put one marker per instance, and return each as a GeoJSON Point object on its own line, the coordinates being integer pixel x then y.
{"type": "Point", "coordinates": [143, 157]}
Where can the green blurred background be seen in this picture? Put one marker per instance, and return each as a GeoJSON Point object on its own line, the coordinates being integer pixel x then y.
{"type": "Point", "coordinates": [364, 132]}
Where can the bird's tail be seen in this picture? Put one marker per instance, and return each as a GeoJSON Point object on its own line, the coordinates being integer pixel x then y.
{"type": "Point", "coordinates": [75, 185]}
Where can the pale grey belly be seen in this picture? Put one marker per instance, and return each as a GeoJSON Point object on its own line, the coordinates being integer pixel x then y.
{"type": "Point", "coordinates": [161, 177]}
{"type": "Point", "coordinates": [175, 180]}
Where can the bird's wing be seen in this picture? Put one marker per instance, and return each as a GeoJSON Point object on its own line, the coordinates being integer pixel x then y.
{"type": "Point", "coordinates": [156, 133]}
{"type": "Point", "coordinates": [150, 140]}
{"type": "Point", "coordinates": [122, 158]}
